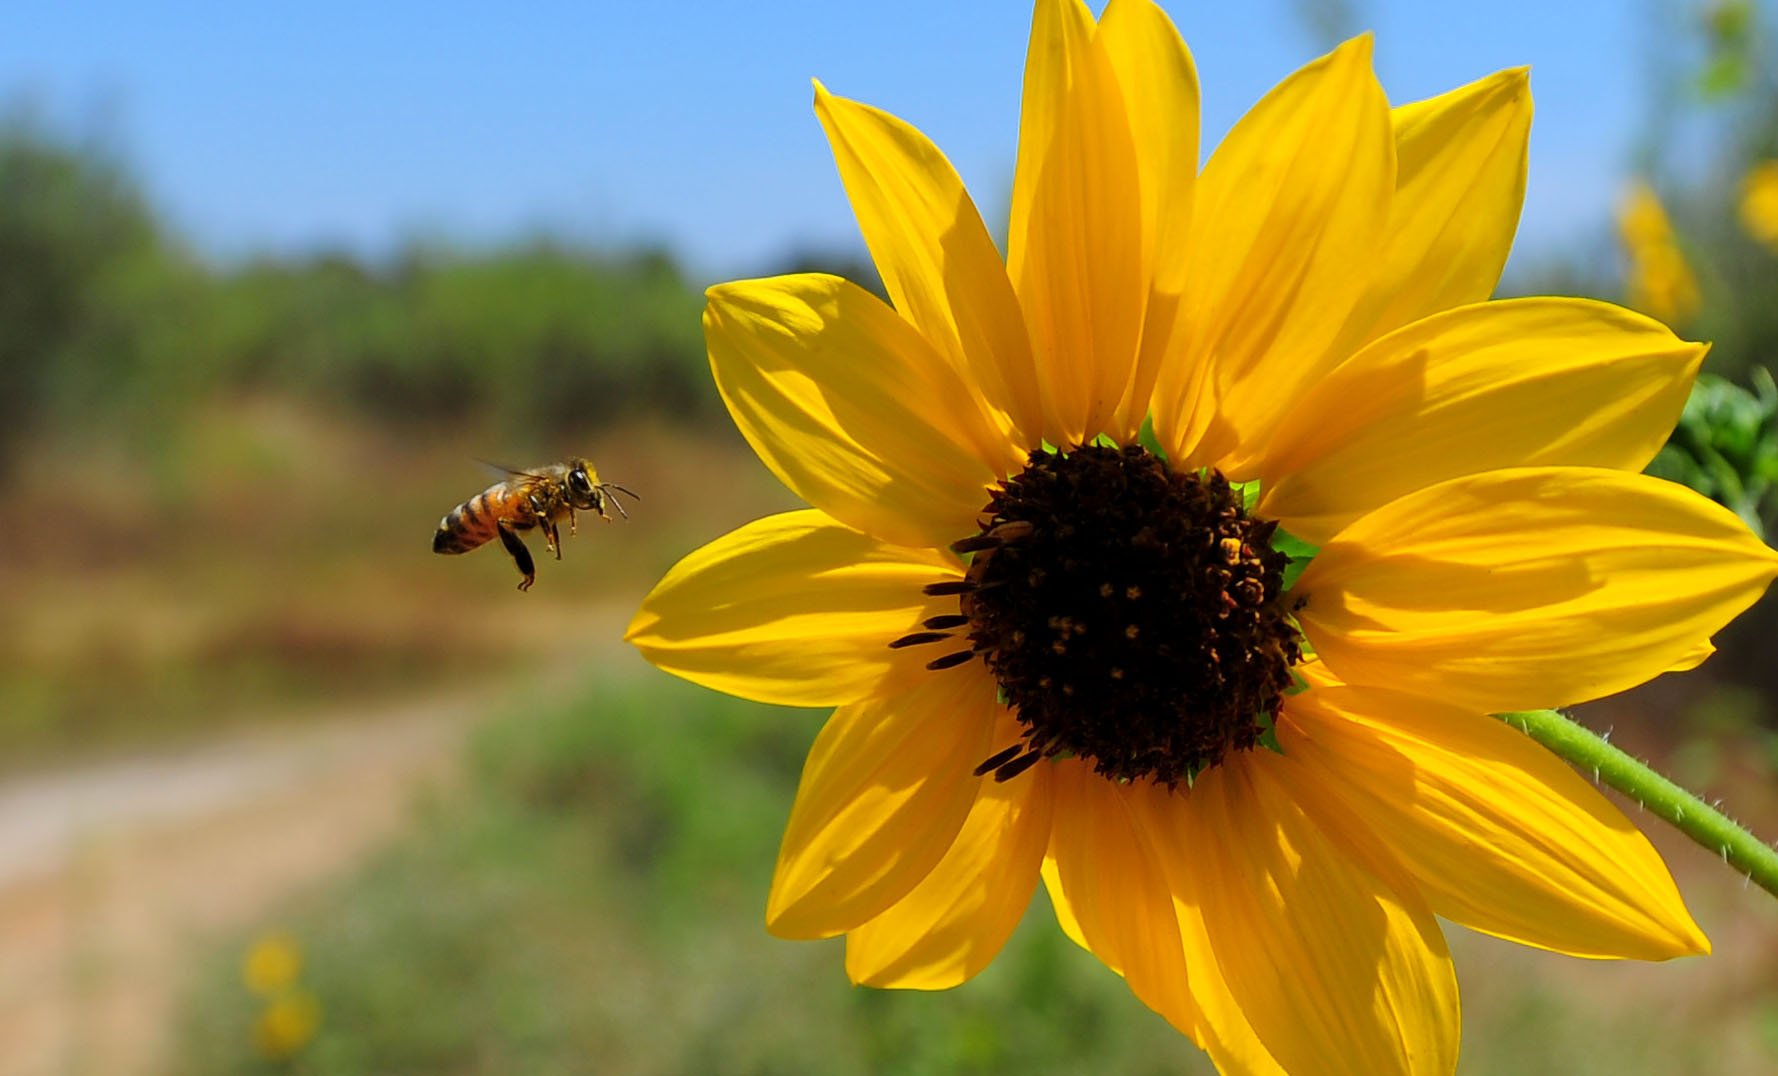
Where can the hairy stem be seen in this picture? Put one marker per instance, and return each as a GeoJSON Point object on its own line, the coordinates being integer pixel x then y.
{"type": "Point", "coordinates": [1698, 820]}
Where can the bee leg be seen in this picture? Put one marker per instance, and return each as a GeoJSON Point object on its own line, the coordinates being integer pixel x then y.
{"type": "Point", "coordinates": [571, 530]}
{"type": "Point", "coordinates": [541, 520]}
{"type": "Point", "coordinates": [520, 556]}
{"type": "Point", "coordinates": [552, 537]}
{"type": "Point", "coordinates": [615, 503]}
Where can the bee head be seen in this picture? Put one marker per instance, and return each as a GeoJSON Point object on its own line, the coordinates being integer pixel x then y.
{"type": "Point", "coordinates": [583, 487]}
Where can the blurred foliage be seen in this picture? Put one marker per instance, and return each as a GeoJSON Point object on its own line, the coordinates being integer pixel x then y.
{"type": "Point", "coordinates": [1326, 23]}
{"type": "Point", "coordinates": [1713, 121]}
{"type": "Point", "coordinates": [530, 338]}
{"type": "Point", "coordinates": [1726, 446]}
{"type": "Point", "coordinates": [92, 297]}
{"type": "Point", "coordinates": [105, 319]}
{"type": "Point", "coordinates": [1730, 31]}
{"type": "Point", "coordinates": [591, 901]}
{"type": "Point", "coordinates": [1700, 254]}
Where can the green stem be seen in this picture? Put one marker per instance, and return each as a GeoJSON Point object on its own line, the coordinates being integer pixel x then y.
{"type": "Point", "coordinates": [1589, 752]}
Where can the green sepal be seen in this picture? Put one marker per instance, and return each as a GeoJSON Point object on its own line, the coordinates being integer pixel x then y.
{"type": "Point", "coordinates": [1297, 684]}
{"type": "Point", "coordinates": [1146, 438]}
{"type": "Point", "coordinates": [1299, 552]}
{"type": "Point", "coordinates": [1249, 492]}
{"type": "Point", "coordinates": [1268, 735]}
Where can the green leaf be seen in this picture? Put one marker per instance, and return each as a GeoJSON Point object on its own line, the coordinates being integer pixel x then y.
{"type": "Point", "coordinates": [1723, 76]}
{"type": "Point", "coordinates": [1726, 445]}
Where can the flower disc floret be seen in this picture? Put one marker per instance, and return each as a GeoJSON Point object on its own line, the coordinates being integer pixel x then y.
{"type": "Point", "coordinates": [1133, 615]}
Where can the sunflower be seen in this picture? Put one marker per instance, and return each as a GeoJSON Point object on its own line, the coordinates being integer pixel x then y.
{"type": "Point", "coordinates": [1659, 281]}
{"type": "Point", "coordinates": [1759, 203]}
{"type": "Point", "coordinates": [1178, 559]}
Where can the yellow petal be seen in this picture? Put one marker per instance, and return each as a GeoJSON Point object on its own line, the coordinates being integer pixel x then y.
{"type": "Point", "coordinates": [1074, 248]}
{"type": "Point", "coordinates": [1459, 183]}
{"type": "Point", "coordinates": [954, 922]}
{"type": "Point", "coordinates": [1221, 1028]}
{"type": "Point", "coordinates": [1160, 90]}
{"type": "Point", "coordinates": [1065, 917]}
{"type": "Point", "coordinates": [934, 254]}
{"type": "Point", "coordinates": [1530, 587]}
{"type": "Point", "coordinates": [1693, 658]}
{"type": "Point", "coordinates": [793, 609]}
{"type": "Point", "coordinates": [1521, 382]}
{"type": "Point", "coordinates": [883, 794]}
{"type": "Point", "coordinates": [1335, 961]}
{"type": "Point", "coordinates": [1498, 833]}
{"type": "Point", "coordinates": [851, 408]}
{"type": "Point", "coordinates": [1287, 222]}
{"type": "Point", "coordinates": [1105, 882]}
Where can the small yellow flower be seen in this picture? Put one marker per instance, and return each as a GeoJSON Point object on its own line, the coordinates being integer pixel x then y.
{"type": "Point", "coordinates": [1061, 649]}
{"type": "Point", "coordinates": [272, 963]}
{"type": "Point", "coordinates": [1759, 203]}
{"type": "Point", "coordinates": [1641, 222]}
{"type": "Point", "coordinates": [286, 1025]}
{"type": "Point", "coordinates": [1660, 282]}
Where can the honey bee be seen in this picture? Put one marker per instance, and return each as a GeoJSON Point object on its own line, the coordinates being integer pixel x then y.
{"type": "Point", "coordinates": [541, 498]}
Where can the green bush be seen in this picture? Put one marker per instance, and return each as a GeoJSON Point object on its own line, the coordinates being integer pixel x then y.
{"type": "Point", "coordinates": [105, 317]}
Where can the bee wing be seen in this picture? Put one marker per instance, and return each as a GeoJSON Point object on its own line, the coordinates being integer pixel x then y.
{"type": "Point", "coordinates": [501, 470]}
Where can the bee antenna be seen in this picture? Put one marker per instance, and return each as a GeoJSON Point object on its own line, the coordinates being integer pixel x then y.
{"type": "Point", "coordinates": [620, 489]}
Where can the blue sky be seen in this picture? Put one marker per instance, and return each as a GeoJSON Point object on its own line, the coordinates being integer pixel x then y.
{"type": "Point", "coordinates": [271, 128]}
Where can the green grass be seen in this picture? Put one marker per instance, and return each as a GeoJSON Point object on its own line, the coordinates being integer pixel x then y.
{"type": "Point", "coordinates": [591, 900]}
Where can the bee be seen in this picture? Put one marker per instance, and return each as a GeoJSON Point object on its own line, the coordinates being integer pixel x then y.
{"type": "Point", "coordinates": [539, 498]}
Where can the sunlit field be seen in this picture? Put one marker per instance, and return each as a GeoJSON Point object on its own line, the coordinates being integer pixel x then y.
{"type": "Point", "coordinates": [265, 560]}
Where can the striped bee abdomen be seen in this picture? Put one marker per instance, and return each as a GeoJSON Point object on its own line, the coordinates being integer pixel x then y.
{"type": "Point", "coordinates": [471, 523]}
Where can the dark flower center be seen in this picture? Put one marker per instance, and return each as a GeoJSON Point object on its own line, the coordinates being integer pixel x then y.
{"type": "Point", "coordinates": [1131, 614]}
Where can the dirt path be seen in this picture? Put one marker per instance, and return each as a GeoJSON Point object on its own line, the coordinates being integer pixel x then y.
{"type": "Point", "coordinates": [113, 876]}
{"type": "Point", "coordinates": [109, 876]}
